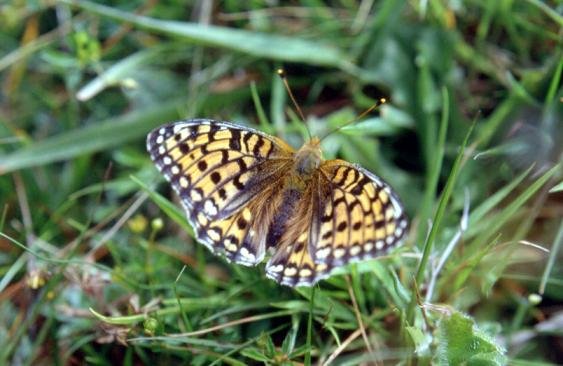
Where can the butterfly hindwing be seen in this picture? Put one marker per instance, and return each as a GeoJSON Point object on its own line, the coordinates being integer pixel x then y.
{"type": "Point", "coordinates": [346, 215]}
{"type": "Point", "coordinates": [217, 169]}
{"type": "Point", "coordinates": [363, 218]}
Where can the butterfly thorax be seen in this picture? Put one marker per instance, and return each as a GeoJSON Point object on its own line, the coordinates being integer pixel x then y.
{"type": "Point", "coordinates": [308, 158]}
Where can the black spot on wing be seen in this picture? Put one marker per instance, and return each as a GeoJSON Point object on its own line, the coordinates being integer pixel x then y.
{"type": "Point", "coordinates": [184, 148]}
{"type": "Point", "coordinates": [215, 177]}
{"type": "Point", "coordinates": [202, 165]}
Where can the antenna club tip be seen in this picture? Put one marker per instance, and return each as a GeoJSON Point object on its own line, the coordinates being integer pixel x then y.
{"type": "Point", "coordinates": [382, 100]}
{"type": "Point", "coordinates": [281, 72]}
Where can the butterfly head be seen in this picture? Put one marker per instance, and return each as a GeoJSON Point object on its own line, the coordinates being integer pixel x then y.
{"type": "Point", "coordinates": [309, 157]}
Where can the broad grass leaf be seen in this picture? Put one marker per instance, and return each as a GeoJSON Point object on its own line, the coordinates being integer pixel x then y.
{"type": "Point", "coordinates": [462, 342]}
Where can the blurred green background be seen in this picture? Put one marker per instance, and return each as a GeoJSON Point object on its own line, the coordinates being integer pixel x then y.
{"type": "Point", "coordinates": [98, 265]}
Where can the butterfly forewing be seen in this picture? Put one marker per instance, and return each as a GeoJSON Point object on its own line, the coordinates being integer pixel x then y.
{"type": "Point", "coordinates": [217, 170]}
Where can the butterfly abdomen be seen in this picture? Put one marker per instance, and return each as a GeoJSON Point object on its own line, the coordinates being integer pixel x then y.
{"type": "Point", "coordinates": [285, 211]}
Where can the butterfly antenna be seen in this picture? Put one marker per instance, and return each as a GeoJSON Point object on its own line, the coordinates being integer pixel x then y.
{"type": "Point", "coordinates": [281, 74]}
{"type": "Point", "coordinates": [378, 104]}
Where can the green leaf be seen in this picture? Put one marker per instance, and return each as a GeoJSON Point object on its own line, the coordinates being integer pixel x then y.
{"type": "Point", "coordinates": [289, 341]}
{"type": "Point", "coordinates": [255, 354]}
{"type": "Point", "coordinates": [266, 345]}
{"type": "Point", "coordinates": [420, 340]}
{"type": "Point", "coordinates": [461, 342]}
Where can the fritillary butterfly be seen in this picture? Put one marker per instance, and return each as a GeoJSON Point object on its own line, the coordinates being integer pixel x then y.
{"type": "Point", "coordinates": [247, 194]}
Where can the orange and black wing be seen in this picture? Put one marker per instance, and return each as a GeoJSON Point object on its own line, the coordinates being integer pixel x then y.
{"type": "Point", "coordinates": [363, 217]}
{"type": "Point", "coordinates": [346, 215]}
{"type": "Point", "coordinates": [220, 170]}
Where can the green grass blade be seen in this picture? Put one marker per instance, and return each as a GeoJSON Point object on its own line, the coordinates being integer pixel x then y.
{"type": "Point", "coordinates": [120, 71]}
{"type": "Point", "coordinates": [28, 49]}
{"type": "Point", "coordinates": [310, 327]}
{"type": "Point", "coordinates": [552, 256]}
{"type": "Point", "coordinates": [476, 217]}
{"type": "Point", "coordinates": [557, 188]}
{"type": "Point", "coordinates": [548, 11]}
{"type": "Point", "coordinates": [170, 209]}
{"type": "Point", "coordinates": [509, 211]}
{"type": "Point", "coordinates": [429, 243]}
{"type": "Point", "coordinates": [3, 218]}
{"type": "Point", "coordinates": [555, 84]}
{"type": "Point", "coordinates": [374, 127]}
{"type": "Point", "coordinates": [12, 271]}
{"type": "Point", "coordinates": [492, 124]}
{"type": "Point", "coordinates": [433, 176]}
{"type": "Point", "coordinates": [262, 118]}
{"type": "Point", "coordinates": [184, 316]}
{"type": "Point", "coordinates": [95, 137]}
{"type": "Point", "coordinates": [270, 46]}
